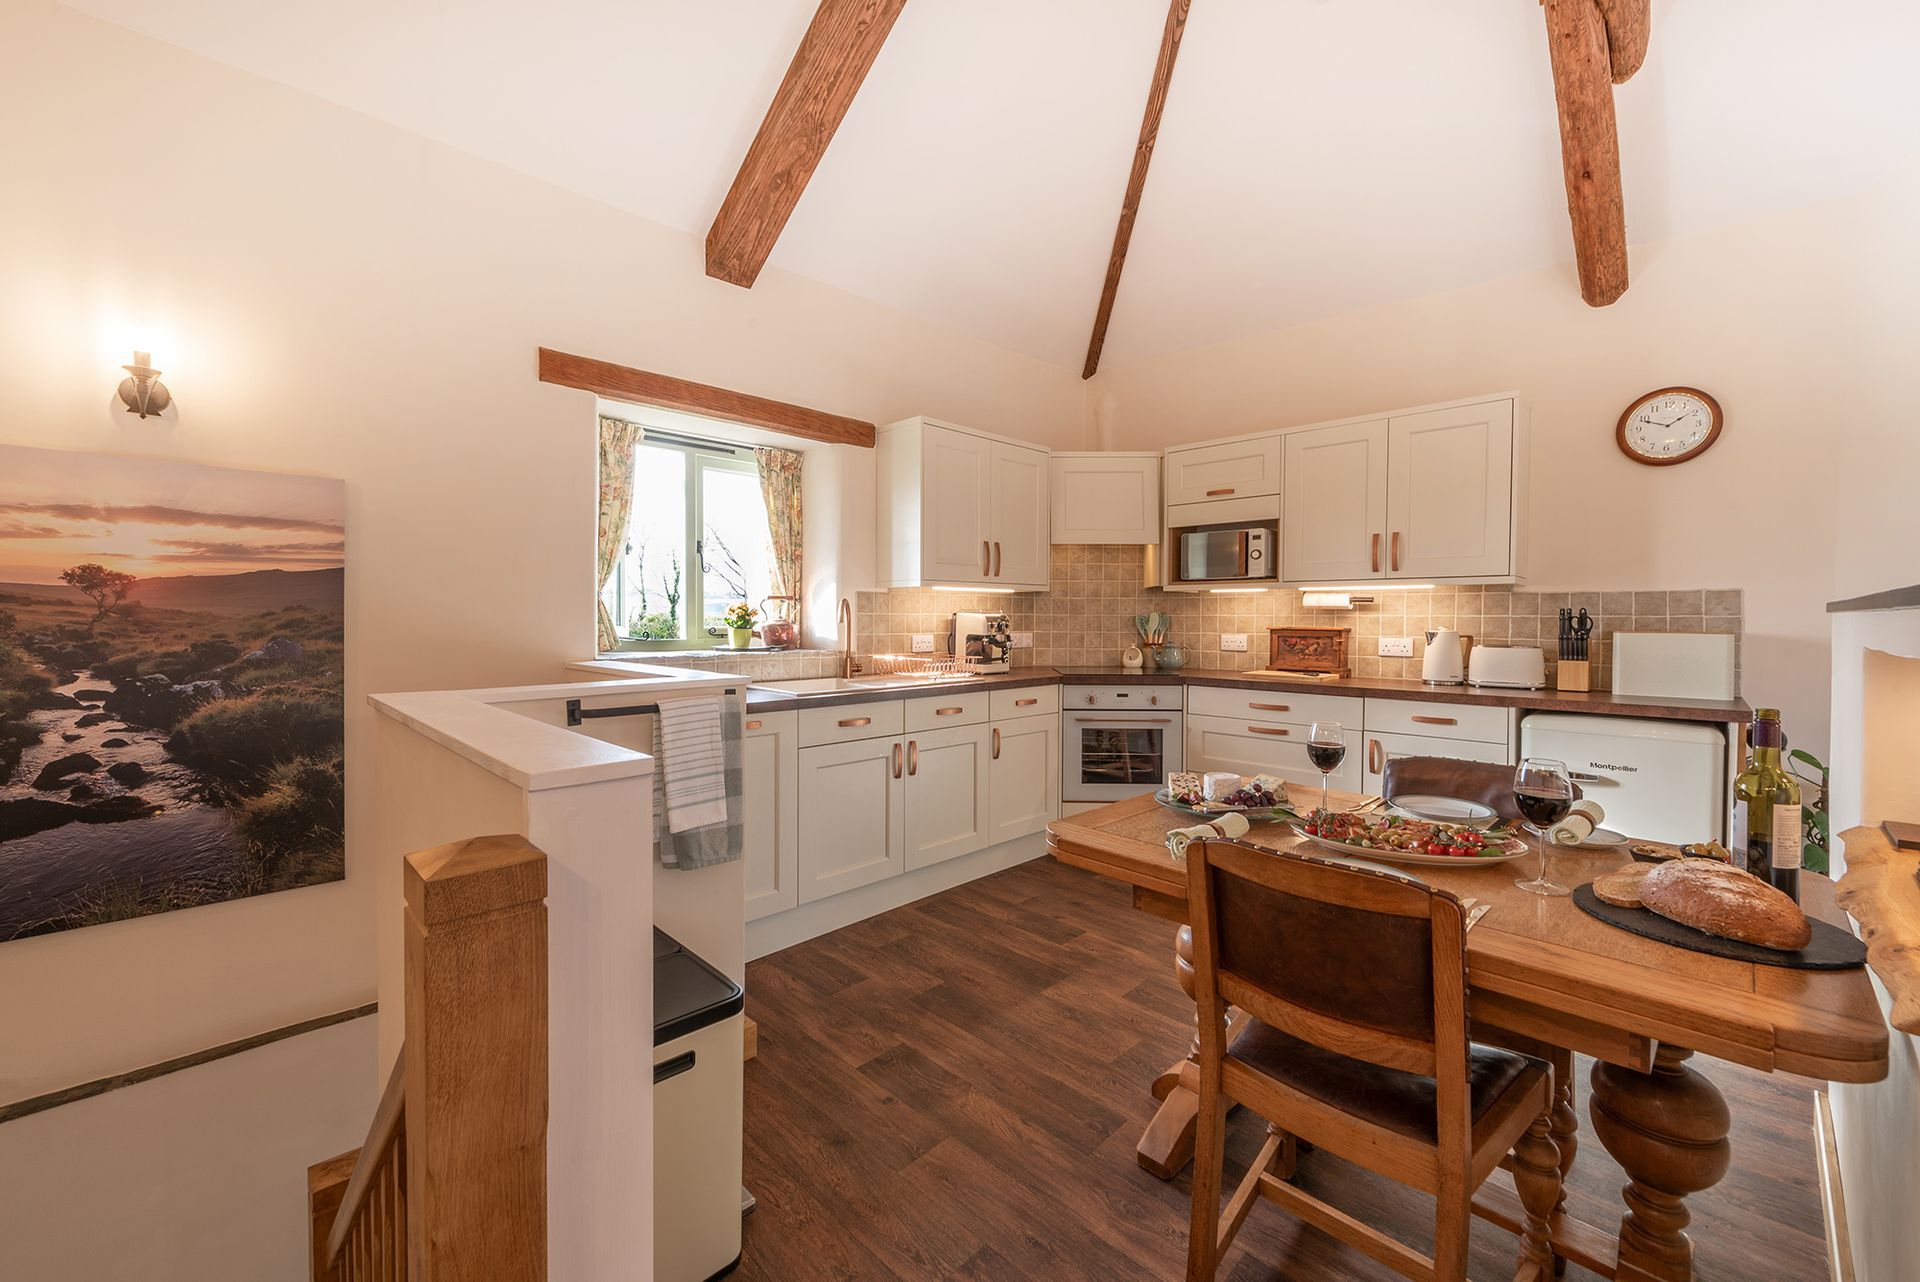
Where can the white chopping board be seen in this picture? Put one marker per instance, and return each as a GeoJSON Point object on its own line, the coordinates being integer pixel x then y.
{"type": "Point", "coordinates": [1674, 665]}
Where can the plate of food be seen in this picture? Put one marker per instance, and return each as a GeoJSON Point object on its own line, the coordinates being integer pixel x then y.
{"type": "Point", "coordinates": [1258, 797]}
{"type": "Point", "coordinates": [1405, 840]}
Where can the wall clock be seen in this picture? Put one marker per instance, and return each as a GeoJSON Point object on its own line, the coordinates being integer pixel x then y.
{"type": "Point", "coordinates": [1669, 426]}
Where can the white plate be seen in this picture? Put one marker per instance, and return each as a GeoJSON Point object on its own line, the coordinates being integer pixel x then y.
{"type": "Point", "coordinates": [1515, 849]}
{"type": "Point", "coordinates": [1450, 810]}
{"type": "Point", "coordinates": [1602, 839]}
{"type": "Point", "coordinates": [1369, 864]}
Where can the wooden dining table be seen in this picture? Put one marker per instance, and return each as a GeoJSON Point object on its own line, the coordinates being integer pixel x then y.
{"type": "Point", "coordinates": [1547, 978]}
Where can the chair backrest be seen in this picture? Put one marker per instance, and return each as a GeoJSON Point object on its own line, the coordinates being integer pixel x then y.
{"type": "Point", "coordinates": [1486, 782]}
{"type": "Point", "coordinates": [1366, 964]}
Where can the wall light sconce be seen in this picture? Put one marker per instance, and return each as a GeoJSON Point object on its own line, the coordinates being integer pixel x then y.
{"type": "Point", "coordinates": [142, 392]}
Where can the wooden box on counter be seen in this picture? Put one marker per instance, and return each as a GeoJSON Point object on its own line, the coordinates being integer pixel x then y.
{"type": "Point", "coordinates": [1315, 650]}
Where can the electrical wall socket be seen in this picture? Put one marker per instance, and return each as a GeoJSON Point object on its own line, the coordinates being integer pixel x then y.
{"type": "Point", "coordinates": [1236, 641]}
{"type": "Point", "coordinates": [1396, 647]}
{"type": "Point", "coordinates": [923, 643]}
{"type": "Point", "coordinates": [1023, 640]}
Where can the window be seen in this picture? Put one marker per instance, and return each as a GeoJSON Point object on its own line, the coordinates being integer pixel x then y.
{"type": "Point", "coordinates": [697, 543]}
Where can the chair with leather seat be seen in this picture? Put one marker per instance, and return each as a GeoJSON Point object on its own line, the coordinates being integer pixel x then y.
{"type": "Point", "coordinates": [1486, 782]}
{"type": "Point", "coordinates": [1355, 982]}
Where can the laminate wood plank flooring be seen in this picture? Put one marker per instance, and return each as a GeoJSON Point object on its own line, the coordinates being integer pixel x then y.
{"type": "Point", "coordinates": [953, 1091]}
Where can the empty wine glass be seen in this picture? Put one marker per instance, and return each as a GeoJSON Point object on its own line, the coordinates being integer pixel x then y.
{"type": "Point", "coordinates": [1326, 748]}
{"type": "Point", "coordinates": [1544, 795]}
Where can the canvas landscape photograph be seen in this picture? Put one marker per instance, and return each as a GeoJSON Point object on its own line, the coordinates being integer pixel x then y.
{"type": "Point", "coordinates": [171, 686]}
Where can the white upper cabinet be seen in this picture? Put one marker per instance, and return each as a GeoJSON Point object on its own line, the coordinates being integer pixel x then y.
{"type": "Point", "coordinates": [1106, 498]}
{"type": "Point", "coordinates": [1334, 512]}
{"type": "Point", "coordinates": [962, 508]}
{"type": "Point", "coordinates": [1450, 494]}
{"type": "Point", "coordinates": [1231, 470]}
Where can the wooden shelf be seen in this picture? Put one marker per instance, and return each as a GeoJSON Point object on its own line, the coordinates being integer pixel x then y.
{"type": "Point", "coordinates": [1881, 891]}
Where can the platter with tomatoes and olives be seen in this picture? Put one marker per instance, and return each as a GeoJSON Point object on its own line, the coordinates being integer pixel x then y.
{"type": "Point", "coordinates": [1406, 840]}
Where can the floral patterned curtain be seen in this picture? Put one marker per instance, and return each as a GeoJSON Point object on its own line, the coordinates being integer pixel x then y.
{"type": "Point", "coordinates": [617, 439]}
{"type": "Point", "coordinates": [780, 489]}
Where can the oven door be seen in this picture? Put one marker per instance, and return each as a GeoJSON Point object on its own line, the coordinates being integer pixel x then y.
{"type": "Point", "coordinates": [1109, 756]}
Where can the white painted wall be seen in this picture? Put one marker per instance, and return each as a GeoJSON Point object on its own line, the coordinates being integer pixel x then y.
{"type": "Point", "coordinates": [1802, 326]}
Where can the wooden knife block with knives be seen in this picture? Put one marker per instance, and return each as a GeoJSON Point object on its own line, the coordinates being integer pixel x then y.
{"type": "Point", "coordinates": [1574, 670]}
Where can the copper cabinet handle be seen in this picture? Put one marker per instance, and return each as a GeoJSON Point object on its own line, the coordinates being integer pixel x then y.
{"type": "Point", "coordinates": [986, 558]}
{"type": "Point", "coordinates": [996, 743]}
{"type": "Point", "coordinates": [751, 725]}
{"type": "Point", "coordinates": [1396, 549]}
{"type": "Point", "coordinates": [996, 558]}
{"type": "Point", "coordinates": [1272, 730]}
{"type": "Point", "coordinates": [1374, 764]}
{"type": "Point", "coordinates": [1436, 721]}
{"type": "Point", "coordinates": [913, 756]}
{"type": "Point", "coordinates": [896, 758]}
{"type": "Point", "coordinates": [1271, 707]}
{"type": "Point", "coordinates": [1022, 703]}
{"type": "Point", "coordinates": [857, 721]}
{"type": "Point", "coordinates": [1376, 551]}
{"type": "Point", "coordinates": [953, 712]}
{"type": "Point", "coordinates": [1217, 493]}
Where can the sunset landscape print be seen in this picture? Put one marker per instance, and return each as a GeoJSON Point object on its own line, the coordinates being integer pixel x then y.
{"type": "Point", "coordinates": [171, 676]}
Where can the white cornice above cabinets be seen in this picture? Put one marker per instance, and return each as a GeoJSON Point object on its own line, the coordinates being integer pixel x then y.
{"type": "Point", "coordinates": [961, 509]}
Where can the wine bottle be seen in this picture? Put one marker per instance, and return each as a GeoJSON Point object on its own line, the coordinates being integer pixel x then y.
{"type": "Point", "coordinates": [1766, 810]}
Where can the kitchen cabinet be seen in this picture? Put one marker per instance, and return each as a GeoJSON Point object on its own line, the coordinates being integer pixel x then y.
{"type": "Point", "coordinates": [946, 794]}
{"type": "Point", "coordinates": [1450, 497]}
{"type": "Point", "coordinates": [1229, 469]}
{"type": "Point", "coordinates": [1248, 746]}
{"type": "Point", "coordinates": [1106, 498]}
{"type": "Point", "coordinates": [770, 812]}
{"type": "Point", "coordinates": [1382, 747]}
{"type": "Point", "coordinates": [961, 508]}
{"type": "Point", "coordinates": [852, 809]}
{"type": "Point", "coordinates": [1023, 776]}
{"type": "Point", "coordinates": [1334, 511]}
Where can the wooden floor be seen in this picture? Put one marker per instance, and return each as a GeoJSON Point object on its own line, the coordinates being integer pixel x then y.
{"type": "Point", "coordinates": [954, 1090]}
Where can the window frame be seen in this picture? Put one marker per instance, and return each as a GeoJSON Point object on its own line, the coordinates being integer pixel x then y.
{"type": "Point", "coordinates": [718, 456]}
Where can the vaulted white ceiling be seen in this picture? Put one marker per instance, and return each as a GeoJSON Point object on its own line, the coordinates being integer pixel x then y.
{"type": "Point", "coordinates": [1316, 155]}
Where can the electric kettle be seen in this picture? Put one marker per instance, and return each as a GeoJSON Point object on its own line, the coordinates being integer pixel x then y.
{"type": "Point", "coordinates": [1445, 663]}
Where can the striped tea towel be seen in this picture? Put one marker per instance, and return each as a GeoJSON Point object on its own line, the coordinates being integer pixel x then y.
{"type": "Point", "coordinates": [713, 786]}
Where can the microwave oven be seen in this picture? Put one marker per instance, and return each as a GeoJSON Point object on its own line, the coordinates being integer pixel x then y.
{"type": "Point", "coordinates": [1226, 554]}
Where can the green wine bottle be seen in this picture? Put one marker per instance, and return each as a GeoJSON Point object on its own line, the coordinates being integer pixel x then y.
{"type": "Point", "coordinates": [1766, 810]}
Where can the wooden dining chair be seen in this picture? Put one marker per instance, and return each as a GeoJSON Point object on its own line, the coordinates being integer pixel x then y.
{"type": "Point", "coordinates": [1355, 982]}
{"type": "Point", "coordinates": [1486, 782]}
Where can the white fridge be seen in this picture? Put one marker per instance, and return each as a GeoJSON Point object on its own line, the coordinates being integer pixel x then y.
{"type": "Point", "coordinates": [1662, 780]}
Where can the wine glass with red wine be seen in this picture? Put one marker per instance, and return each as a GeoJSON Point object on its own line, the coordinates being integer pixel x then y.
{"type": "Point", "coordinates": [1326, 749]}
{"type": "Point", "coordinates": [1544, 794]}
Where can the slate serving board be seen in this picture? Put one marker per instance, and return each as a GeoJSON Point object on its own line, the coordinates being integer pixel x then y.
{"type": "Point", "coordinates": [1830, 949]}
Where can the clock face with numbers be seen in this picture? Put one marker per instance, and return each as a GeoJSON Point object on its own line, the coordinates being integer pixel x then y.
{"type": "Point", "coordinates": [1669, 426]}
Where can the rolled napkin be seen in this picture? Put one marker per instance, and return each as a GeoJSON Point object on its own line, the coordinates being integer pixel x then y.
{"type": "Point", "coordinates": [1580, 823]}
{"type": "Point", "coordinates": [1227, 825]}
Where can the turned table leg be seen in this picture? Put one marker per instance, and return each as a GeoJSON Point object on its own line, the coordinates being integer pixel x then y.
{"type": "Point", "coordinates": [1166, 1146]}
{"type": "Point", "coordinates": [1668, 1130]}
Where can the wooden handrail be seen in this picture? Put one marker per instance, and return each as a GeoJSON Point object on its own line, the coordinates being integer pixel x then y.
{"type": "Point", "coordinates": [389, 1122]}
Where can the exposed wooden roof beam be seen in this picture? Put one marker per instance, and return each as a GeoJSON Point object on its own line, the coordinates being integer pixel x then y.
{"type": "Point", "coordinates": [834, 56]}
{"type": "Point", "coordinates": [1628, 30]}
{"type": "Point", "coordinates": [1589, 146]}
{"type": "Point", "coordinates": [1137, 180]}
{"type": "Point", "coordinates": [643, 387]}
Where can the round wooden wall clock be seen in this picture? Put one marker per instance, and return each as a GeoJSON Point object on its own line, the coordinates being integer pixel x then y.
{"type": "Point", "coordinates": [1669, 426]}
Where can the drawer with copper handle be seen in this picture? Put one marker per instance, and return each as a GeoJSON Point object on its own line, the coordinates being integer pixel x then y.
{"type": "Point", "coordinates": [1477, 723]}
{"type": "Point", "coordinates": [948, 708]}
{"type": "Point", "coordinates": [1024, 701]}
{"type": "Point", "coordinates": [1273, 707]}
{"type": "Point", "coordinates": [846, 722]}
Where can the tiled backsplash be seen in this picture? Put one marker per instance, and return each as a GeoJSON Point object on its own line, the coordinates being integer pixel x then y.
{"type": "Point", "coordinates": [1087, 617]}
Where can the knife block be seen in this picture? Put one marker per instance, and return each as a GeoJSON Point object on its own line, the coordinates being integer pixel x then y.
{"type": "Point", "coordinates": [1573, 674]}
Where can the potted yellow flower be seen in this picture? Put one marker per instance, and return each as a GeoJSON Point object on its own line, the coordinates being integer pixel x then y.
{"type": "Point", "coordinates": [739, 619]}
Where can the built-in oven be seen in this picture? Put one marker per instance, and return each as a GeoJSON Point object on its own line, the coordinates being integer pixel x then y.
{"type": "Point", "coordinates": [1118, 741]}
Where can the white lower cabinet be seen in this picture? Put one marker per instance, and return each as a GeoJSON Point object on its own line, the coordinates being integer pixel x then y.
{"type": "Point", "coordinates": [770, 811]}
{"type": "Point", "coordinates": [1023, 776]}
{"type": "Point", "coordinates": [1382, 748]}
{"type": "Point", "coordinates": [1249, 747]}
{"type": "Point", "coordinates": [852, 801]}
{"type": "Point", "coordinates": [946, 794]}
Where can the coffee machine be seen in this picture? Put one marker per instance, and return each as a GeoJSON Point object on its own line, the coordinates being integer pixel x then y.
{"type": "Point", "coordinates": [983, 641]}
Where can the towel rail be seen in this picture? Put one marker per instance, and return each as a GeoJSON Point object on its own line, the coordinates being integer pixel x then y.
{"type": "Point", "coordinates": [576, 714]}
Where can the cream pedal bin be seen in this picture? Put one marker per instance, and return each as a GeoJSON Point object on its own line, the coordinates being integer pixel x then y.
{"type": "Point", "coordinates": [698, 1081]}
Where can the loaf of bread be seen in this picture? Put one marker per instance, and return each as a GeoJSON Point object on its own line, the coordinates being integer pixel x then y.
{"type": "Point", "coordinates": [1710, 896]}
{"type": "Point", "coordinates": [1621, 887]}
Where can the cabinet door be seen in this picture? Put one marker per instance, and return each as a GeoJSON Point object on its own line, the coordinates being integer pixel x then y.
{"type": "Point", "coordinates": [1024, 782]}
{"type": "Point", "coordinates": [1381, 748]}
{"type": "Point", "coordinates": [1106, 498]}
{"type": "Point", "coordinates": [1022, 548]}
{"type": "Point", "coordinates": [1334, 520]}
{"type": "Point", "coordinates": [956, 480]}
{"type": "Point", "coordinates": [852, 815]}
{"type": "Point", "coordinates": [1250, 748]}
{"type": "Point", "coordinates": [1232, 470]}
{"type": "Point", "coordinates": [1450, 493]}
{"type": "Point", "coordinates": [946, 794]}
{"type": "Point", "coordinates": [769, 812]}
